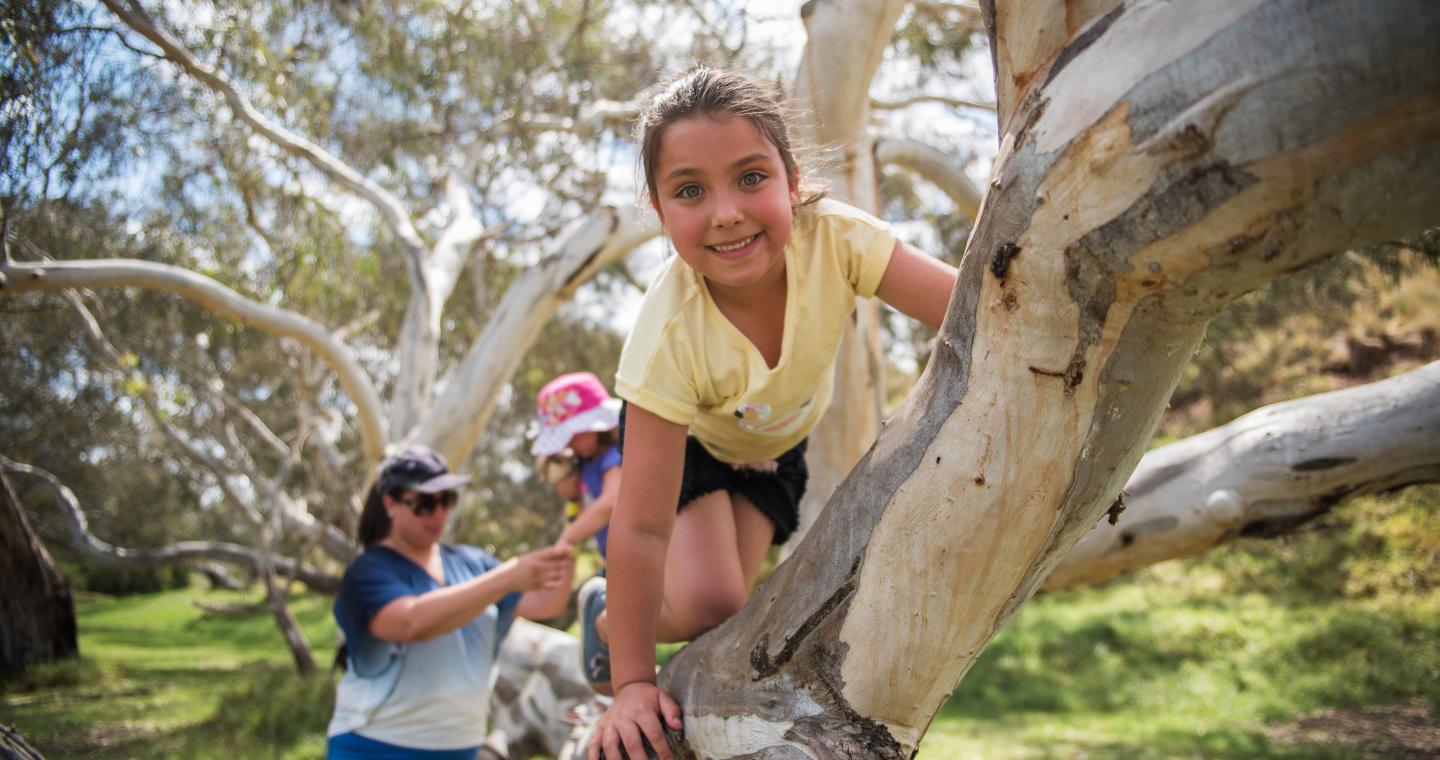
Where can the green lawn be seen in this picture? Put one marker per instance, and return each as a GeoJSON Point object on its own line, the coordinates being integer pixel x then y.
{"type": "Point", "coordinates": [1180, 661]}
{"type": "Point", "coordinates": [159, 678]}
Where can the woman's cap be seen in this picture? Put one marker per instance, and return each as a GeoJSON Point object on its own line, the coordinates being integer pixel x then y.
{"type": "Point", "coordinates": [419, 468]}
{"type": "Point", "coordinates": [571, 404]}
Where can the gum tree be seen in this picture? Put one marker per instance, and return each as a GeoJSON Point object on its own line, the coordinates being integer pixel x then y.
{"type": "Point", "coordinates": [1157, 161]}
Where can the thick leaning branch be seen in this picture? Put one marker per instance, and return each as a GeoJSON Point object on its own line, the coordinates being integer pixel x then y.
{"type": "Point", "coordinates": [1172, 158]}
{"type": "Point", "coordinates": [19, 277]}
{"type": "Point", "coordinates": [82, 540]}
{"type": "Point", "coordinates": [454, 425]}
{"type": "Point", "coordinates": [934, 165]}
{"type": "Point", "coordinates": [1265, 474]}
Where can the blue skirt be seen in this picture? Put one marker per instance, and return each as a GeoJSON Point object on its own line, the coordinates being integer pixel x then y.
{"type": "Point", "coordinates": [353, 746]}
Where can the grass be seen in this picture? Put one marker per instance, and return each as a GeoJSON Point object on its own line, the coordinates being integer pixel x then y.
{"type": "Point", "coordinates": [159, 678]}
{"type": "Point", "coordinates": [1184, 660]}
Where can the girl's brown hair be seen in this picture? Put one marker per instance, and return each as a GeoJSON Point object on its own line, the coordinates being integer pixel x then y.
{"type": "Point", "coordinates": [717, 94]}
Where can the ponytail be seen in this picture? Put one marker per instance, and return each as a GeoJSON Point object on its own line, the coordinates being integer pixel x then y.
{"type": "Point", "coordinates": [374, 519]}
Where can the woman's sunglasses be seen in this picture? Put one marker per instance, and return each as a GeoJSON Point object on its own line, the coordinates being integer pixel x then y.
{"type": "Point", "coordinates": [423, 504]}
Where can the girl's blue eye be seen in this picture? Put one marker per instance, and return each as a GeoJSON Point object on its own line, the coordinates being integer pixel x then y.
{"type": "Point", "coordinates": [751, 178]}
{"type": "Point", "coordinates": [688, 192]}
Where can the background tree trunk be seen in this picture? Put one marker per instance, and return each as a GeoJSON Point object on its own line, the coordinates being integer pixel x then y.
{"type": "Point", "coordinates": [37, 614]}
{"type": "Point", "coordinates": [846, 41]}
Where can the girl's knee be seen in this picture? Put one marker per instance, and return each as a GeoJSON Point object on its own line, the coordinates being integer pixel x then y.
{"type": "Point", "coordinates": [718, 604]}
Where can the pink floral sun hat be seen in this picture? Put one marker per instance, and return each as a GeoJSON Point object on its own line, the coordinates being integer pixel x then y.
{"type": "Point", "coordinates": [571, 404]}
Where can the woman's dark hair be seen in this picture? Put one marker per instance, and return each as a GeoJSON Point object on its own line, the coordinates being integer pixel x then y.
{"type": "Point", "coordinates": [374, 518]}
{"type": "Point", "coordinates": [717, 94]}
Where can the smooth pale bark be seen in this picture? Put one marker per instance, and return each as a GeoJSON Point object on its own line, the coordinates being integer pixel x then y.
{"type": "Point", "coordinates": [37, 612]}
{"type": "Point", "coordinates": [539, 681]}
{"type": "Point", "coordinates": [455, 423]}
{"type": "Point", "coordinates": [1156, 163]}
{"type": "Point", "coordinates": [1266, 474]}
{"type": "Point", "coordinates": [20, 277]}
{"type": "Point", "coordinates": [846, 40]}
{"type": "Point", "coordinates": [935, 166]}
{"type": "Point", "coordinates": [82, 540]}
{"type": "Point", "coordinates": [433, 271]}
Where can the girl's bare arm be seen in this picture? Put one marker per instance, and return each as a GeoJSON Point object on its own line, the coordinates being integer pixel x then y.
{"type": "Point", "coordinates": [916, 284]}
{"type": "Point", "coordinates": [639, 536]}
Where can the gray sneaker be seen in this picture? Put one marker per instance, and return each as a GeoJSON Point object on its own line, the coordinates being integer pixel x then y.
{"type": "Point", "coordinates": [594, 654]}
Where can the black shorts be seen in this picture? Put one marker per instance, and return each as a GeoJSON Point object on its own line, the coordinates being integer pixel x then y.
{"type": "Point", "coordinates": [776, 494]}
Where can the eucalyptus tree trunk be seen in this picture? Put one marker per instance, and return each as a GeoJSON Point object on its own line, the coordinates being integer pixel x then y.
{"type": "Point", "coordinates": [1266, 474]}
{"type": "Point", "coordinates": [1158, 160]}
{"type": "Point", "coordinates": [845, 42]}
{"type": "Point", "coordinates": [37, 613]}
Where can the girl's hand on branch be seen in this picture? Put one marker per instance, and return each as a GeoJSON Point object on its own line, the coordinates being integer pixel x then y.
{"type": "Point", "coordinates": [638, 709]}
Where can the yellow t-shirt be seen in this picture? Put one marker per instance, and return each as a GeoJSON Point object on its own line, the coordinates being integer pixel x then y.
{"type": "Point", "coordinates": [685, 362]}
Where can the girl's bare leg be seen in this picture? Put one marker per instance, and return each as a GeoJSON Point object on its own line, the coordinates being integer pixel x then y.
{"type": "Point", "coordinates": [716, 550]}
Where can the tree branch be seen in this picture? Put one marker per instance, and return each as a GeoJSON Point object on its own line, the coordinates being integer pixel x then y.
{"type": "Point", "coordinates": [1266, 473]}
{"type": "Point", "coordinates": [390, 207]}
{"type": "Point", "coordinates": [86, 542]}
{"type": "Point", "coordinates": [934, 165]}
{"type": "Point", "coordinates": [455, 424]}
{"type": "Point", "coordinates": [895, 105]}
{"type": "Point", "coordinates": [20, 277]}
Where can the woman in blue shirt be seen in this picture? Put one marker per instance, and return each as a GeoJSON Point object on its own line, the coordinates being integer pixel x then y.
{"type": "Point", "coordinates": [423, 621]}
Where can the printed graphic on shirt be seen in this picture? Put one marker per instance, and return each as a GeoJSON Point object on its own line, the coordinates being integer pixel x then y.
{"type": "Point", "coordinates": [755, 417]}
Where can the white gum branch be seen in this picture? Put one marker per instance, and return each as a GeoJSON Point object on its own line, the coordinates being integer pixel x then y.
{"type": "Point", "coordinates": [19, 277]}
{"type": "Point", "coordinates": [895, 105]}
{"type": "Point", "coordinates": [184, 551]}
{"type": "Point", "coordinates": [969, 10]}
{"type": "Point", "coordinates": [1266, 473]}
{"type": "Point", "coordinates": [390, 207]}
{"type": "Point", "coordinates": [935, 165]}
{"type": "Point", "coordinates": [455, 424]}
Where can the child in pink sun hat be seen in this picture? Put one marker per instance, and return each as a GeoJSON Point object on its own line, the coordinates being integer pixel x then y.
{"type": "Point", "coordinates": [576, 412]}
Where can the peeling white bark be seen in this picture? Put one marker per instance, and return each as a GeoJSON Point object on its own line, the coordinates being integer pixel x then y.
{"type": "Point", "coordinates": [1265, 474]}
{"type": "Point", "coordinates": [19, 277]}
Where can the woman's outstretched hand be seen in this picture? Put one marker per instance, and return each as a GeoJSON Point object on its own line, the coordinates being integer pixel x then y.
{"type": "Point", "coordinates": [543, 569]}
{"type": "Point", "coordinates": [639, 708]}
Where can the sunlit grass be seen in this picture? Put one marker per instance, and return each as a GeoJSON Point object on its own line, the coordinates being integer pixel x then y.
{"type": "Point", "coordinates": [1198, 659]}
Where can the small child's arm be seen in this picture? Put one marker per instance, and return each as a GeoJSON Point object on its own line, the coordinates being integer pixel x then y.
{"type": "Point", "coordinates": [916, 284]}
{"type": "Point", "coordinates": [597, 515]}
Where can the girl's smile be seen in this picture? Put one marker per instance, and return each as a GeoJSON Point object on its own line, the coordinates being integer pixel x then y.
{"type": "Point", "coordinates": [725, 199]}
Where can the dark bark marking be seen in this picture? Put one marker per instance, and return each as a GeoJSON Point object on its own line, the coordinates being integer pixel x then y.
{"type": "Point", "coordinates": [979, 480]}
{"type": "Point", "coordinates": [846, 735]}
{"type": "Point", "coordinates": [1127, 538]}
{"type": "Point", "coordinates": [760, 655]}
{"type": "Point", "coordinates": [1083, 41]}
{"type": "Point", "coordinates": [1322, 463]}
{"type": "Point", "coordinates": [1113, 513]}
{"type": "Point", "coordinates": [1000, 262]}
{"type": "Point", "coordinates": [1011, 301]}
